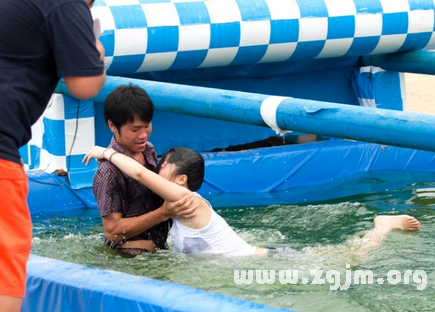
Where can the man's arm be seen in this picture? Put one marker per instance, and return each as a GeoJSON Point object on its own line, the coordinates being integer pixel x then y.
{"type": "Point", "coordinates": [78, 54]}
{"type": "Point", "coordinates": [87, 87]}
{"type": "Point", "coordinates": [117, 228]}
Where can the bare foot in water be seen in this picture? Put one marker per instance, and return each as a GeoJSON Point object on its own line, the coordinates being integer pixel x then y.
{"type": "Point", "coordinates": [374, 238]}
{"type": "Point", "coordinates": [385, 224]}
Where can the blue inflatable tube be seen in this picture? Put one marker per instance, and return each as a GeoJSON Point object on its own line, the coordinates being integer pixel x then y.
{"type": "Point", "coordinates": [149, 35]}
{"type": "Point", "coordinates": [411, 130]}
{"type": "Point", "coordinates": [418, 62]}
{"type": "Point", "coordinates": [65, 287]}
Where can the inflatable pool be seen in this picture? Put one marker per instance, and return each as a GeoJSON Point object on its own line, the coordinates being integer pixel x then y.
{"type": "Point", "coordinates": [241, 81]}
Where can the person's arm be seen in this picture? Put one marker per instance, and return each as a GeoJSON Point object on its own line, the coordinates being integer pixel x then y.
{"type": "Point", "coordinates": [87, 87]}
{"type": "Point", "coordinates": [78, 54]}
{"type": "Point", "coordinates": [118, 228]}
{"type": "Point", "coordinates": [168, 190]}
{"type": "Point", "coordinates": [109, 196]}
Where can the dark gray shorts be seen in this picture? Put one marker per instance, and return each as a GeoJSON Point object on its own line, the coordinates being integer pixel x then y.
{"type": "Point", "coordinates": [280, 250]}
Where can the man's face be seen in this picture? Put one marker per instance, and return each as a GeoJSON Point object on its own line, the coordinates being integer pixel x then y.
{"type": "Point", "coordinates": [133, 136]}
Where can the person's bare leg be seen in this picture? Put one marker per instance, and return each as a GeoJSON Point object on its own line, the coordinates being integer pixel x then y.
{"type": "Point", "coordinates": [373, 238]}
{"type": "Point", "coordinates": [10, 304]}
{"type": "Point", "coordinates": [383, 226]}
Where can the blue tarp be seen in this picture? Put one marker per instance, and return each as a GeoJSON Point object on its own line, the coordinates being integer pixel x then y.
{"type": "Point", "coordinates": [65, 287]}
{"type": "Point", "coordinates": [281, 172]}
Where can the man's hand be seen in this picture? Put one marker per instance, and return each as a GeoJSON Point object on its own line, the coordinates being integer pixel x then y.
{"type": "Point", "coordinates": [184, 207]}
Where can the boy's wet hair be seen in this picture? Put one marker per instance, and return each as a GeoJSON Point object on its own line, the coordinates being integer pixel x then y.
{"type": "Point", "coordinates": [187, 162]}
{"type": "Point", "coordinates": [125, 102]}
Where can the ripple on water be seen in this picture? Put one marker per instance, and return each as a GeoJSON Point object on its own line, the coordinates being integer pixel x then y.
{"type": "Point", "coordinates": [324, 234]}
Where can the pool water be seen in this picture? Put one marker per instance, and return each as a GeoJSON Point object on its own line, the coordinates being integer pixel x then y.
{"type": "Point", "coordinates": [324, 234]}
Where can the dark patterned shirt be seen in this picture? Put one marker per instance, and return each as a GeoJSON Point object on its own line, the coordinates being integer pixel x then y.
{"type": "Point", "coordinates": [115, 192]}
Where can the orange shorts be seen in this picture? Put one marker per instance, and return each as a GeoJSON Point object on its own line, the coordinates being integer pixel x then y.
{"type": "Point", "coordinates": [15, 229]}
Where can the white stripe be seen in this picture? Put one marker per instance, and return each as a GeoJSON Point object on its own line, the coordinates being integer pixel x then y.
{"type": "Point", "coordinates": [55, 108]}
{"type": "Point", "coordinates": [371, 69]}
{"type": "Point", "coordinates": [367, 102]}
{"type": "Point", "coordinates": [403, 90]}
{"type": "Point", "coordinates": [268, 113]}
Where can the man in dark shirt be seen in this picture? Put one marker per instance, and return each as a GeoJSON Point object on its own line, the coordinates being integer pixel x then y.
{"type": "Point", "coordinates": [40, 41]}
{"type": "Point", "coordinates": [135, 219]}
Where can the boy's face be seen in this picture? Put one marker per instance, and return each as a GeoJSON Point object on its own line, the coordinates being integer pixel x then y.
{"type": "Point", "coordinates": [132, 136]}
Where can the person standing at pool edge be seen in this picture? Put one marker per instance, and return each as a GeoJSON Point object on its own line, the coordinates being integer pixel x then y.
{"type": "Point", "coordinates": [135, 219]}
{"type": "Point", "coordinates": [40, 41]}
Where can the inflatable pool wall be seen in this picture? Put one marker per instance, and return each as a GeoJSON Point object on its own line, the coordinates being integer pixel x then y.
{"type": "Point", "coordinates": [316, 56]}
{"type": "Point", "coordinates": [230, 72]}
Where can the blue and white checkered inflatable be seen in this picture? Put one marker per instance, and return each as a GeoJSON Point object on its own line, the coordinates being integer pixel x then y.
{"type": "Point", "coordinates": [143, 36]}
{"type": "Point", "coordinates": [156, 35]}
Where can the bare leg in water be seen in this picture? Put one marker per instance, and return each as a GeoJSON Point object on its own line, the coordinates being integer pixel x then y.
{"type": "Point", "coordinates": [371, 239]}
{"type": "Point", "coordinates": [383, 226]}
{"type": "Point", "coordinates": [361, 246]}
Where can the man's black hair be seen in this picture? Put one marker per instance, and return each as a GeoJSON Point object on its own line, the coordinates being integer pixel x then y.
{"type": "Point", "coordinates": [125, 102]}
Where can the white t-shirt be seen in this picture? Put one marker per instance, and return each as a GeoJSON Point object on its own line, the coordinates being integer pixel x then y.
{"type": "Point", "coordinates": [216, 238]}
